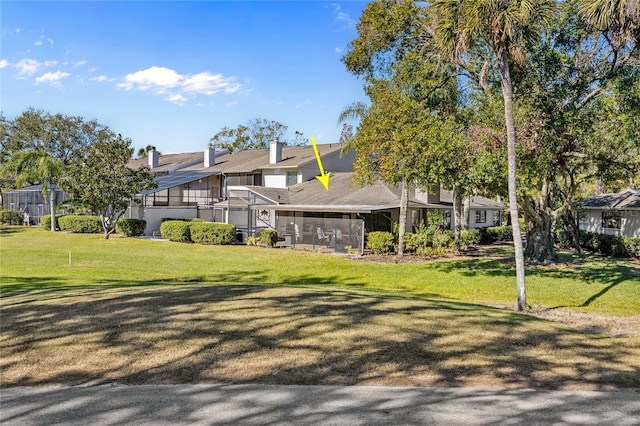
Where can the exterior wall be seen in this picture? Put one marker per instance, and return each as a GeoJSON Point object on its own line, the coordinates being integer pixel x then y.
{"type": "Point", "coordinates": [591, 221]}
{"type": "Point", "coordinates": [492, 218]}
{"type": "Point", "coordinates": [154, 216]}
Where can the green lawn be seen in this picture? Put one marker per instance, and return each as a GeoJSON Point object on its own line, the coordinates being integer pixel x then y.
{"type": "Point", "coordinates": [34, 259]}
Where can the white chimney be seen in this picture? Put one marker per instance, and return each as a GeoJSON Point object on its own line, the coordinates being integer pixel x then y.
{"type": "Point", "coordinates": [153, 156]}
{"type": "Point", "coordinates": [275, 151]}
{"type": "Point", "coordinates": [209, 157]}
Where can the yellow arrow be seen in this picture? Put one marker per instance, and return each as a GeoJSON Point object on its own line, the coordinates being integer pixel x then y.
{"type": "Point", "coordinates": [323, 178]}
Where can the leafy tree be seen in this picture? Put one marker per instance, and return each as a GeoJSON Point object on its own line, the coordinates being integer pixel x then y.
{"type": "Point", "coordinates": [494, 27]}
{"type": "Point", "coordinates": [38, 146]}
{"type": "Point", "coordinates": [257, 134]}
{"type": "Point", "coordinates": [100, 179]}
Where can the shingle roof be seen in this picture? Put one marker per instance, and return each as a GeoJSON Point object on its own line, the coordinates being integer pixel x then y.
{"type": "Point", "coordinates": [627, 199]}
{"type": "Point", "coordinates": [258, 159]}
{"type": "Point", "coordinates": [345, 195]}
{"type": "Point", "coordinates": [170, 162]}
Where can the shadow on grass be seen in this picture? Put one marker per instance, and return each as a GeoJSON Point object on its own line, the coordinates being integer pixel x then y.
{"type": "Point", "coordinates": [289, 335]}
{"type": "Point", "coordinates": [8, 230]}
{"type": "Point", "coordinates": [586, 268]}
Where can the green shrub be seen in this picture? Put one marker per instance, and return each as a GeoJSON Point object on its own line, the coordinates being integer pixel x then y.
{"type": "Point", "coordinates": [252, 241]}
{"type": "Point", "coordinates": [442, 238]}
{"type": "Point", "coordinates": [212, 233]}
{"type": "Point", "coordinates": [11, 217]}
{"type": "Point", "coordinates": [469, 237]}
{"type": "Point", "coordinates": [432, 252]}
{"type": "Point", "coordinates": [632, 246]}
{"type": "Point", "coordinates": [610, 245]}
{"type": "Point", "coordinates": [380, 242]}
{"type": "Point", "coordinates": [45, 221]}
{"type": "Point", "coordinates": [411, 242]}
{"type": "Point", "coordinates": [80, 224]}
{"type": "Point", "coordinates": [131, 227]}
{"type": "Point", "coordinates": [176, 230]}
{"type": "Point", "coordinates": [496, 233]}
{"type": "Point", "coordinates": [269, 237]}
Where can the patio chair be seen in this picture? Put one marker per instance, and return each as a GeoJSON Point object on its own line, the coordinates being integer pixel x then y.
{"type": "Point", "coordinates": [322, 238]}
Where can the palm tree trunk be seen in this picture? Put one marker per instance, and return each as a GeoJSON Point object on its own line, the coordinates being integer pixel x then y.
{"type": "Point", "coordinates": [52, 206]}
{"type": "Point", "coordinates": [507, 93]}
{"type": "Point", "coordinates": [404, 204]}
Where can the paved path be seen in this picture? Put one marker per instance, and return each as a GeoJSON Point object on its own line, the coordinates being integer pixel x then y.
{"type": "Point", "coordinates": [312, 405]}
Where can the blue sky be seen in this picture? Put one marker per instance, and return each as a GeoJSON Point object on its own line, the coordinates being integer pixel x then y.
{"type": "Point", "coordinates": [171, 74]}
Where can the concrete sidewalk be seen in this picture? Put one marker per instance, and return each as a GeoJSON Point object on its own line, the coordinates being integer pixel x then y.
{"type": "Point", "coordinates": [313, 405]}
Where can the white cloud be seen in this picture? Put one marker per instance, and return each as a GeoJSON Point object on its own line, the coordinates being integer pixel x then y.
{"type": "Point", "coordinates": [233, 103]}
{"type": "Point", "coordinates": [99, 78]}
{"type": "Point", "coordinates": [177, 99]}
{"type": "Point", "coordinates": [31, 66]}
{"type": "Point", "coordinates": [179, 87]}
{"type": "Point", "coordinates": [209, 84]}
{"type": "Point", "coordinates": [3, 63]}
{"type": "Point", "coordinates": [338, 50]}
{"type": "Point", "coordinates": [343, 17]}
{"type": "Point", "coordinates": [158, 79]}
{"type": "Point", "coordinates": [52, 78]}
{"type": "Point", "coordinates": [92, 69]}
{"type": "Point", "coordinates": [50, 42]}
{"type": "Point", "coordinates": [305, 103]}
{"type": "Point", "coordinates": [39, 43]}
{"type": "Point", "coordinates": [18, 30]}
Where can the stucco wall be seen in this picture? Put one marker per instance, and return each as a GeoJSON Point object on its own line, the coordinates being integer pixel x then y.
{"type": "Point", "coordinates": [591, 221]}
{"type": "Point", "coordinates": [154, 216]}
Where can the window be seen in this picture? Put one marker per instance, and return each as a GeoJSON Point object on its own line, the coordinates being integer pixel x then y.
{"type": "Point", "coordinates": [292, 178]}
{"type": "Point", "coordinates": [481, 216]}
{"type": "Point", "coordinates": [611, 220]}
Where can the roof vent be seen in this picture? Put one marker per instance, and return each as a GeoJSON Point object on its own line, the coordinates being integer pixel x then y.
{"type": "Point", "coordinates": [209, 157]}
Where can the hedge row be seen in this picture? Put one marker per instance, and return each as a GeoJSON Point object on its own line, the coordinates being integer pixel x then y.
{"type": "Point", "coordinates": [610, 245]}
{"type": "Point", "coordinates": [45, 221]}
{"type": "Point", "coordinates": [493, 234]}
{"type": "Point", "coordinates": [80, 224]}
{"type": "Point", "coordinates": [131, 227]}
{"type": "Point", "coordinates": [11, 217]}
{"type": "Point", "coordinates": [198, 232]}
{"type": "Point", "coordinates": [269, 237]}
{"type": "Point", "coordinates": [212, 233]}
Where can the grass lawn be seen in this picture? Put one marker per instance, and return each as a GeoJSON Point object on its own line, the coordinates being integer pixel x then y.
{"type": "Point", "coordinates": [139, 311]}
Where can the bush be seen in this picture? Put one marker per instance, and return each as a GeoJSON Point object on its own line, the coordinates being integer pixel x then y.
{"type": "Point", "coordinates": [80, 224]}
{"type": "Point", "coordinates": [496, 233]}
{"type": "Point", "coordinates": [252, 241]}
{"type": "Point", "coordinates": [469, 237]}
{"type": "Point", "coordinates": [380, 242]}
{"type": "Point", "coordinates": [131, 227]}
{"type": "Point", "coordinates": [45, 221]}
{"type": "Point", "coordinates": [269, 237]}
{"type": "Point", "coordinates": [610, 245]}
{"type": "Point", "coordinates": [12, 217]}
{"type": "Point", "coordinates": [442, 238]}
{"type": "Point", "coordinates": [432, 252]}
{"type": "Point", "coordinates": [176, 230]}
{"type": "Point", "coordinates": [212, 233]}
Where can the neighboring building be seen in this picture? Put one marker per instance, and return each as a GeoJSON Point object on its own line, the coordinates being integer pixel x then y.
{"type": "Point", "coordinates": [611, 214]}
{"type": "Point", "coordinates": [29, 200]}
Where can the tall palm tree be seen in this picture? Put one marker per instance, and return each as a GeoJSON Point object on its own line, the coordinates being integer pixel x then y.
{"type": "Point", "coordinates": [622, 17]}
{"type": "Point", "coordinates": [498, 25]}
{"type": "Point", "coordinates": [38, 166]}
{"type": "Point", "coordinates": [355, 111]}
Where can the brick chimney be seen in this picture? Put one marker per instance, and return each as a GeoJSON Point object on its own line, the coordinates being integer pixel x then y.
{"type": "Point", "coordinates": [275, 151]}
{"type": "Point", "coordinates": [153, 157]}
{"type": "Point", "coordinates": [209, 157]}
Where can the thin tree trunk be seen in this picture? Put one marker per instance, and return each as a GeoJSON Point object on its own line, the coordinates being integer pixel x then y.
{"type": "Point", "coordinates": [457, 218]}
{"type": "Point", "coordinates": [404, 204]}
{"type": "Point", "coordinates": [507, 93]}
{"type": "Point", "coordinates": [466, 209]}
